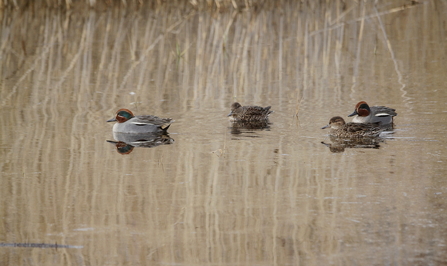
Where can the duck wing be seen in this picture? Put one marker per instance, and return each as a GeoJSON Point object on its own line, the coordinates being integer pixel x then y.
{"type": "Point", "coordinates": [383, 111]}
{"type": "Point", "coordinates": [256, 110]}
{"type": "Point", "coordinates": [145, 120]}
{"type": "Point", "coordinates": [359, 127]}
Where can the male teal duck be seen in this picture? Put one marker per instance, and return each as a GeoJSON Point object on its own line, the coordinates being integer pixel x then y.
{"type": "Point", "coordinates": [128, 123]}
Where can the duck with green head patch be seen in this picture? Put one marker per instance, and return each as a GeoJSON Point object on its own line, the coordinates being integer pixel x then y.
{"type": "Point", "coordinates": [128, 123]}
{"type": "Point", "coordinates": [363, 113]}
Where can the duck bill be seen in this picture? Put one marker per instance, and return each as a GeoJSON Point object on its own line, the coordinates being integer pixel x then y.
{"type": "Point", "coordinates": [230, 114]}
{"type": "Point", "coordinates": [353, 114]}
{"type": "Point", "coordinates": [112, 120]}
{"type": "Point", "coordinates": [326, 126]}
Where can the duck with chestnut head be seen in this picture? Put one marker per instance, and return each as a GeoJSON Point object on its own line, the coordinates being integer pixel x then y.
{"type": "Point", "coordinates": [129, 123]}
{"type": "Point", "coordinates": [363, 113]}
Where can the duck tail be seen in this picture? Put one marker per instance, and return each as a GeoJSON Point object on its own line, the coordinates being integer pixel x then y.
{"type": "Point", "coordinates": [165, 128]}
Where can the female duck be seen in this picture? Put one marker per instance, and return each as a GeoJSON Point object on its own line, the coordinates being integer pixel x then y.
{"type": "Point", "coordinates": [128, 123]}
{"type": "Point", "coordinates": [241, 113]}
{"type": "Point", "coordinates": [352, 130]}
{"type": "Point", "coordinates": [365, 114]}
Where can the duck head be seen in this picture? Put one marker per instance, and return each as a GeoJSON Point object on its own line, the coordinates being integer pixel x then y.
{"type": "Point", "coordinates": [361, 109]}
{"type": "Point", "coordinates": [336, 122]}
{"type": "Point", "coordinates": [234, 107]}
{"type": "Point", "coordinates": [122, 115]}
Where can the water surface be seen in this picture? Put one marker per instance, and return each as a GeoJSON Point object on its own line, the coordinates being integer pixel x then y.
{"type": "Point", "coordinates": [219, 195]}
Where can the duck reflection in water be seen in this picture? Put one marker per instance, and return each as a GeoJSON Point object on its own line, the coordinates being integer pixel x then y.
{"type": "Point", "coordinates": [249, 127]}
{"type": "Point", "coordinates": [352, 135]}
{"type": "Point", "coordinates": [340, 144]}
{"type": "Point", "coordinates": [126, 142]}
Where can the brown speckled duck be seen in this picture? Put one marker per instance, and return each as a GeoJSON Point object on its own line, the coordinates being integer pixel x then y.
{"type": "Point", "coordinates": [241, 113]}
{"type": "Point", "coordinates": [352, 130]}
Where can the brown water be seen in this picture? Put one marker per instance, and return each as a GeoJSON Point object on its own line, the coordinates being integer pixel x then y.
{"type": "Point", "coordinates": [219, 195]}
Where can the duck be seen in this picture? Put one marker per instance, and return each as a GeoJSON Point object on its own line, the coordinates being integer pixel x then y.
{"type": "Point", "coordinates": [374, 114]}
{"type": "Point", "coordinates": [241, 113]}
{"type": "Point", "coordinates": [129, 123]}
{"type": "Point", "coordinates": [341, 129]}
